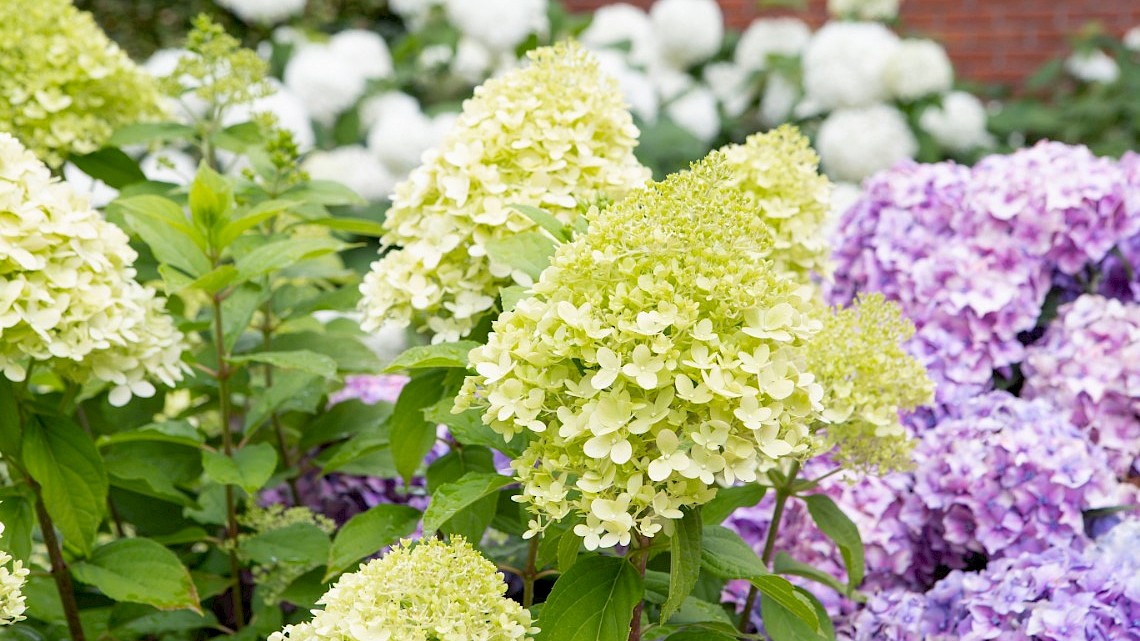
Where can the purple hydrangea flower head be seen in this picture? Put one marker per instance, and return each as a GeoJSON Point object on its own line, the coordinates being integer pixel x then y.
{"type": "Point", "coordinates": [370, 389]}
{"type": "Point", "coordinates": [1005, 476]}
{"type": "Point", "coordinates": [1088, 364]}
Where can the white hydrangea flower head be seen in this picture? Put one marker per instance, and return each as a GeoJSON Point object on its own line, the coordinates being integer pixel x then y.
{"type": "Point", "coordinates": [777, 172]}
{"type": "Point", "coordinates": [696, 112]}
{"type": "Point", "coordinates": [884, 10]}
{"type": "Point", "coordinates": [472, 61]}
{"type": "Point", "coordinates": [636, 87]}
{"type": "Point", "coordinates": [400, 139]}
{"type": "Point", "coordinates": [500, 25]}
{"type": "Point", "coordinates": [356, 167]}
{"type": "Point", "coordinates": [415, 13]}
{"type": "Point", "coordinates": [1131, 39]}
{"type": "Point", "coordinates": [552, 134]}
{"type": "Point", "coordinates": [855, 143]}
{"type": "Point", "coordinates": [389, 104]}
{"type": "Point", "coordinates": [329, 77]}
{"type": "Point", "coordinates": [959, 124]}
{"type": "Point", "coordinates": [732, 85]}
{"type": "Point", "coordinates": [918, 67]}
{"type": "Point", "coordinates": [622, 24]}
{"type": "Point", "coordinates": [688, 32]}
{"type": "Point", "coordinates": [844, 64]}
{"type": "Point", "coordinates": [363, 51]}
{"type": "Point", "coordinates": [68, 298]}
{"type": "Point", "coordinates": [1093, 66]}
{"type": "Point", "coordinates": [660, 356]}
{"type": "Point", "coordinates": [12, 600]}
{"type": "Point", "coordinates": [264, 12]}
{"type": "Point", "coordinates": [780, 97]}
{"type": "Point", "coordinates": [771, 36]}
{"type": "Point", "coordinates": [427, 591]}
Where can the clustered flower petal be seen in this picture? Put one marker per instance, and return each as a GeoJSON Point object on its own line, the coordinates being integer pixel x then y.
{"type": "Point", "coordinates": [1088, 365]}
{"type": "Point", "coordinates": [660, 355]}
{"type": "Point", "coordinates": [12, 599]}
{"type": "Point", "coordinates": [68, 295]}
{"type": "Point", "coordinates": [427, 591]}
{"type": "Point", "coordinates": [65, 86]}
{"type": "Point", "coordinates": [551, 135]}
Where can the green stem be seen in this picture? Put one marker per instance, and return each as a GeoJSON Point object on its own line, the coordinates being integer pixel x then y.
{"type": "Point", "coordinates": [783, 493]}
{"type": "Point", "coordinates": [228, 448]}
{"type": "Point", "coordinates": [529, 572]}
{"type": "Point", "coordinates": [640, 558]}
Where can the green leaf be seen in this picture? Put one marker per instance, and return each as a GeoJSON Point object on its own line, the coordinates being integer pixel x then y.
{"type": "Point", "coordinates": [110, 165]}
{"type": "Point", "coordinates": [346, 419]}
{"type": "Point", "coordinates": [546, 220]}
{"type": "Point", "coordinates": [291, 390]}
{"type": "Point", "coordinates": [778, 590]}
{"type": "Point", "coordinates": [300, 360]}
{"type": "Point", "coordinates": [472, 520]}
{"type": "Point", "coordinates": [699, 635]}
{"type": "Point", "coordinates": [450, 498]}
{"type": "Point", "coordinates": [280, 254]}
{"type": "Point", "coordinates": [300, 543]}
{"type": "Point", "coordinates": [153, 468]}
{"type": "Point", "coordinates": [467, 427]}
{"type": "Point", "coordinates": [211, 201]}
{"type": "Point", "coordinates": [839, 528]}
{"type": "Point", "coordinates": [782, 624]}
{"type": "Point", "coordinates": [369, 532]}
{"type": "Point", "coordinates": [694, 610]}
{"type": "Point", "coordinates": [249, 468]}
{"type": "Point", "coordinates": [237, 138]}
{"type": "Point", "coordinates": [728, 499]}
{"type": "Point", "coordinates": [528, 252]}
{"type": "Point", "coordinates": [19, 519]}
{"type": "Point", "coordinates": [785, 564]}
{"type": "Point", "coordinates": [684, 560]}
{"type": "Point", "coordinates": [358, 226]}
{"type": "Point", "coordinates": [162, 225]}
{"type": "Point", "coordinates": [726, 555]}
{"type": "Point", "coordinates": [142, 133]}
{"type": "Point", "coordinates": [350, 354]}
{"type": "Point", "coordinates": [568, 547]}
{"type": "Point", "coordinates": [410, 434]}
{"type": "Point", "coordinates": [10, 429]}
{"type": "Point", "coordinates": [140, 571]}
{"type": "Point", "coordinates": [511, 295]}
{"type": "Point", "coordinates": [252, 218]}
{"type": "Point", "coordinates": [592, 601]}
{"type": "Point", "coordinates": [213, 282]}
{"type": "Point", "coordinates": [237, 311]}
{"type": "Point", "coordinates": [64, 461]}
{"type": "Point", "coordinates": [324, 192]}
{"type": "Point", "coordinates": [427, 356]}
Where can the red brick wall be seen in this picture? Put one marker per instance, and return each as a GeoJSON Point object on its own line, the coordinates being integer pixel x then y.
{"type": "Point", "coordinates": [1001, 41]}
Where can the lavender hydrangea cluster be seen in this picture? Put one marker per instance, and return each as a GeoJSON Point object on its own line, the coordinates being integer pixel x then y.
{"type": "Point", "coordinates": [1002, 477]}
{"type": "Point", "coordinates": [971, 254]}
{"type": "Point", "coordinates": [1060, 594]}
{"type": "Point", "coordinates": [1088, 364]}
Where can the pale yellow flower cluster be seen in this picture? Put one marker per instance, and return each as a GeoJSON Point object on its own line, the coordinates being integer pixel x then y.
{"type": "Point", "coordinates": [64, 86]}
{"type": "Point", "coordinates": [553, 134]}
{"type": "Point", "coordinates": [778, 174]}
{"type": "Point", "coordinates": [429, 591]}
{"type": "Point", "coordinates": [664, 354]}
{"type": "Point", "coordinates": [68, 295]}
{"type": "Point", "coordinates": [12, 600]}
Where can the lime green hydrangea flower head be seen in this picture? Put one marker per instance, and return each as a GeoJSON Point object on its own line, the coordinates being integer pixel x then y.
{"type": "Point", "coordinates": [65, 86]}
{"type": "Point", "coordinates": [12, 600]}
{"type": "Point", "coordinates": [551, 134]}
{"type": "Point", "coordinates": [660, 355]}
{"type": "Point", "coordinates": [68, 295]}
{"type": "Point", "coordinates": [778, 174]}
{"type": "Point", "coordinates": [430, 591]}
{"type": "Point", "coordinates": [868, 377]}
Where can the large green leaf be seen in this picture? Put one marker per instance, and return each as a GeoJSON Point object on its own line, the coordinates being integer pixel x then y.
{"type": "Point", "coordinates": [450, 498]}
{"type": "Point", "coordinates": [140, 571]}
{"type": "Point", "coordinates": [280, 254]}
{"type": "Point", "coordinates": [301, 543]}
{"type": "Point", "coordinates": [19, 518]}
{"type": "Point", "coordinates": [345, 419]}
{"type": "Point", "coordinates": [211, 201]}
{"type": "Point", "coordinates": [110, 165]}
{"type": "Point", "coordinates": [785, 564]}
{"type": "Point", "coordinates": [782, 624]}
{"type": "Point", "coordinates": [10, 430]}
{"type": "Point", "coordinates": [368, 533]}
{"type": "Point", "coordinates": [684, 561]}
{"type": "Point", "coordinates": [249, 468]}
{"type": "Point", "coordinates": [302, 360]}
{"type": "Point", "coordinates": [528, 252]}
{"type": "Point", "coordinates": [468, 428]}
{"type": "Point", "coordinates": [546, 220]}
{"type": "Point", "coordinates": [63, 460]}
{"type": "Point", "coordinates": [428, 356]}
{"type": "Point", "coordinates": [162, 225]}
{"type": "Point", "coordinates": [728, 499]}
{"type": "Point", "coordinates": [839, 528]}
{"type": "Point", "coordinates": [470, 521]}
{"type": "Point", "coordinates": [411, 435]}
{"type": "Point", "coordinates": [592, 601]}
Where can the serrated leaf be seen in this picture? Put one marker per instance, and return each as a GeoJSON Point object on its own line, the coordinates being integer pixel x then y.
{"type": "Point", "coordinates": [110, 165]}
{"type": "Point", "coordinates": [839, 528]}
{"type": "Point", "coordinates": [450, 498]}
{"type": "Point", "coordinates": [684, 560]}
{"type": "Point", "coordinates": [545, 220]}
{"type": "Point", "coordinates": [782, 624]}
{"type": "Point", "coordinates": [249, 468]}
{"type": "Point", "coordinates": [63, 460]}
{"type": "Point", "coordinates": [453, 355]}
{"type": "Point", "coordinates": [728, 499]}
{"type": "Point", "coordinates": [467, 427]}
{"type": "Point", "coordinates": [568, 547]}
{"type": "Point", "coordinates": [299, 543]}
{"type": "Point", "coordinates": [345, 419]}
{"type": "Point", "coordinates": [211, 201]}
{"type": "Point", "coordinates": [252, 218]}
{"type": "Point", "coordinates": [511, 295]}
{"type": "Point", "coordinates": [592, 601]}
{"type": "Point", "coordinates": [528, 252]}
{"type": "Point", "coordinates": [410, 435]}
{"type": "Point", "coordinates": [358, 226]}
{"type": "Point", "coordinates": [300, 360]}
{"type": "Point", "coordinates": [162, 225]}
{"type": "Point", "coordinates": [280, 254]}
{"type": "Point", "coordinates": [140, 571]}
{"type": "Point", "coordinates": [19, 519]}
{"type": "Point", "coordinates": [785, 564]}
{"type": "Point", "coordinates": [369, 532]}
{"type": "Point", "coordinates": [726, 555]}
